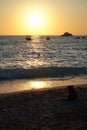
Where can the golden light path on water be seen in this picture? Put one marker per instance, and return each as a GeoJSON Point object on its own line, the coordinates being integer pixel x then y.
{"type": "Point", "coordinates": [37, 58]}
{"type": "Point", "coordinates": [38, 84]}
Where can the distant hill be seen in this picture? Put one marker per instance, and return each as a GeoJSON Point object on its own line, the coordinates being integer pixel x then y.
{"type": "Point", "coordinates": [67, 34]}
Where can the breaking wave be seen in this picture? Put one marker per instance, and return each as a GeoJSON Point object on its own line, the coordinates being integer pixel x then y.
{"type": "Point", "coordinates": [45, 72]}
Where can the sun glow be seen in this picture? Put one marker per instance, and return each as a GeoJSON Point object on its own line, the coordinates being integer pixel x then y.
{"type": "Point", "coordinates": [35, 20]}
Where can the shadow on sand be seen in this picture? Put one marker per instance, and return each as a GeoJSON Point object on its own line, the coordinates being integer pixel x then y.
{"type": "Point", "coordinates": [44, 110]}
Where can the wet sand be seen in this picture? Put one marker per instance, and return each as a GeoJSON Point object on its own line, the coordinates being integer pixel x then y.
{"type": "Point", "coordinates": [44, 110]}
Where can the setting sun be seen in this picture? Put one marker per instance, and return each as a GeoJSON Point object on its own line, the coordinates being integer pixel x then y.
{"type": "Point", "coordinates": [35, 20]}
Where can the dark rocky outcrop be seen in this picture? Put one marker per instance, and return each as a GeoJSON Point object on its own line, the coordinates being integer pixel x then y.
{"type": "Point", "coordinates": [67, 34]}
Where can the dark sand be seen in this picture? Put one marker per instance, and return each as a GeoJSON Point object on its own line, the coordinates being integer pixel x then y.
{"type": "Point", "coordinates": [44, 110]}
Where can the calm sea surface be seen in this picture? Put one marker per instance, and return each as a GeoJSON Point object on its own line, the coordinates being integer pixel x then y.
{"type": "Point", "coordinates": [59, 57]}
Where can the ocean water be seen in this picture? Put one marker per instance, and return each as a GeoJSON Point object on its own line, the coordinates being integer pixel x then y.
{"type": "Point", "coordinates": [60, 58]}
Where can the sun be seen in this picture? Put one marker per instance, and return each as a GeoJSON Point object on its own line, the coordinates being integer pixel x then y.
{"type": "Point", "coordinates": [35, 20]}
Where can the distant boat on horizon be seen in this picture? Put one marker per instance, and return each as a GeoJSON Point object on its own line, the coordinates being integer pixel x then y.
{"type": "Point", "coordinates": [28, 38]}
{"type": "Point", "coordinates": [78, 37]}
{"type": "Point", "coordinates": [83, 37]}
{"type": "Point", "coordinates": [48, 38]}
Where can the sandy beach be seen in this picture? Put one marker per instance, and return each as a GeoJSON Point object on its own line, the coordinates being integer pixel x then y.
{"type": "Point", "coordinates": [44, 110]}
{"type": "Point", "coordinates": [43, 65]}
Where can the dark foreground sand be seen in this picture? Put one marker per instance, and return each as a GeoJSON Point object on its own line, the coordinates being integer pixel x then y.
{"type": "Point", "coordinates": [43, 110]}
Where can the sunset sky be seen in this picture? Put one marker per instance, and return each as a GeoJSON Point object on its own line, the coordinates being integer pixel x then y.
{"type": "Point", "coordinates": [43, 17]}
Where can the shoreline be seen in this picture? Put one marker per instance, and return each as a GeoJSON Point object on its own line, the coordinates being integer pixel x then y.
{"type": "Point", "coordinates": [44, 110]}
{"type": "Point", "coordinates": [17, 85]}
{"type": "Point", "coordinates": [76, 86]}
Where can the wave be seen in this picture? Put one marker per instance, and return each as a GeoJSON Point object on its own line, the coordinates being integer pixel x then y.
{"type": "Point", "coordinates": [45, 72]}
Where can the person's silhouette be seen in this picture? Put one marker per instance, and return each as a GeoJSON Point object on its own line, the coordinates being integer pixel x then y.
{"type": "Point", "coordinates": [72, 95]}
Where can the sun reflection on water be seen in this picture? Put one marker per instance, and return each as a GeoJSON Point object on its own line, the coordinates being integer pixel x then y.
{"type": "Point", "coordinates": [37, 84]}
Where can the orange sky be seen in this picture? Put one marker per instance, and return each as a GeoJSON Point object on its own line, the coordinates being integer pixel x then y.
{"type": "Point", "coordinates": [51, 17]}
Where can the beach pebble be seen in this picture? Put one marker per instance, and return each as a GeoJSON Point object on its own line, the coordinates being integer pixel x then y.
{"type": "Point", "coordinates": [45, 128]}
{"type": "Point", "coordinates": [4, 110]}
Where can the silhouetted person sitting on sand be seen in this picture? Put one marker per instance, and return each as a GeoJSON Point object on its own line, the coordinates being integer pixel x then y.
{"type": "Point", "coordinates": [72, 95]}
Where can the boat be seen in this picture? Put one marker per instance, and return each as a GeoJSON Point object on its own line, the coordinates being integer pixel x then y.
{"type": "Point", "coordinates": [28, 38]}
{"type": "Point", "coordinates": [83, 37]}
{"type": "Point", "coordinates": [77, 37]}
{"type": "Point", "coordinates": [48, 38]}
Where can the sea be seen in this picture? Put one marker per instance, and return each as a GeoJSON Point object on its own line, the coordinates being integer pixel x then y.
{"type": "Point", "coordinates": [42, 62]}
